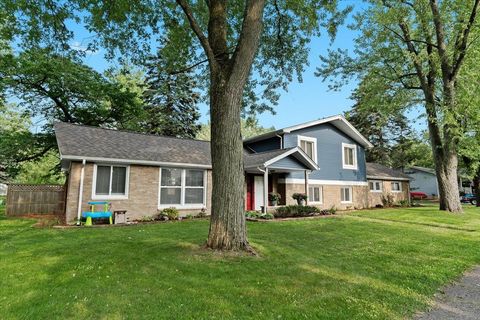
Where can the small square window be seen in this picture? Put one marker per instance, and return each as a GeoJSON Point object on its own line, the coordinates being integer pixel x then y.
{"type": "Point", "coordinates": [375, 186]}
{"type": "Point", "coordinates": [396, 186]}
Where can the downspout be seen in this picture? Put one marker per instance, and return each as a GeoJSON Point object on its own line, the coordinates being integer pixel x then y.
{"type": "Point", "coordinates": [80, 193]}
{"type": "Point", "coordinates": [281, 140]}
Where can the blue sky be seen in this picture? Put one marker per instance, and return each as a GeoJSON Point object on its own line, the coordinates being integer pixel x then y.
{"type": "Point", "coordinates": [304, 101]}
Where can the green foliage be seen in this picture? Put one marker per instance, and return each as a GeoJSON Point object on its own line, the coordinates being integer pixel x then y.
{"type": "Point", "coordinates": [131, 31]}
{"type": "Point", "coordinates": [418, 54]}
{"type": "Point", "coordinates": [404, 203]}
{"type": "Point", "coordinates": [41, 171]}
{"type": "Point", "coordinates": [170, 213]}
{"type": "Point", "coordinates": [396, 144]}
{"type": "Point", "coordinates": [296, 211]}
{"type": "Point", "coordinates": [51, 87]}
{"type": "Point", "coordinates": [274, 196]}
{"type": "Point", "coordinates": [267, 216]}
{"type": "Point", "coordinates": [387, 200]}
{"type": "Point", "coordinates": [252, 214]}
{"type": "Point", "coordinates": [299, 196]}
{"type": "Point", "coordinates": [202, 213]}
{"type": "Point", "coordinates": [171, 100]}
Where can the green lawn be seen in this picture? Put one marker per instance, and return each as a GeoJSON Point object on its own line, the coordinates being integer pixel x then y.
{"type": "Point", "coordinates": [366, 265]}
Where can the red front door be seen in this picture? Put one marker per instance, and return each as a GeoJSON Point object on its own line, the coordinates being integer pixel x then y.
{"type": "Point", "coordinates": [250, 193]}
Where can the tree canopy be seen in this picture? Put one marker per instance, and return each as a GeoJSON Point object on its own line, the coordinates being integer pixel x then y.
{"type": "Point", "coordinates": [410, 54]}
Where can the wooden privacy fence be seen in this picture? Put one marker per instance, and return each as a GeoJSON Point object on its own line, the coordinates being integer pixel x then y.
{"type": "Point", "coordinates": [23, 199]}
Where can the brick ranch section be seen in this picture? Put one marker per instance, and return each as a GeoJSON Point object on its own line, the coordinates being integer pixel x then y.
{"type": "Point", "coordinates": [144, 192]}
{"type": "Point", "coordinates": [142, 196]}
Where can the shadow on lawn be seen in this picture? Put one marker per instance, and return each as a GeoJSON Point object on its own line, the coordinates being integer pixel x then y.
{"type": "Point", "coordinates": [434, 225]}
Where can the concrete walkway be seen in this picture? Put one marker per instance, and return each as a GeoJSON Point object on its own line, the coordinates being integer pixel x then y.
{"type": "Point", "coordinates": [460, 300]}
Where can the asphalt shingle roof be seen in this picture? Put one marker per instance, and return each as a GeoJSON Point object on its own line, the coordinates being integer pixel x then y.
{"type": "Point", "coordinates": [94, 142]}
{"type": "Point", "coordinates": [379, 170]}
{"type": "Point", "coordinates": [253, 160]}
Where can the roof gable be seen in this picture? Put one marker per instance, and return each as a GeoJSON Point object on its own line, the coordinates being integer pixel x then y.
{"type": "Point", "coordinates": [337, 121]}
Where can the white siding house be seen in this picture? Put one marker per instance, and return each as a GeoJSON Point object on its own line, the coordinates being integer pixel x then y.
{"type": "Point", "coordinates": [423, 180]}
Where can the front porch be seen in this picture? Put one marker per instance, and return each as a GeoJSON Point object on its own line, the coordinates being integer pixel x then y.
{"type": "Point", "coordinates": [264, 177]}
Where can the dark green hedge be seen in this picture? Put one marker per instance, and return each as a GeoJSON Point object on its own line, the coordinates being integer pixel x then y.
{"type": "Point", "coordinates": [296, 211]}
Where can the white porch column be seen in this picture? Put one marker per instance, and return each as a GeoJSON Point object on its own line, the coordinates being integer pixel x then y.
{"type": "Point", "coordinates": [306, 185]}
{"type": "Point", "coordinates": [265, 190]}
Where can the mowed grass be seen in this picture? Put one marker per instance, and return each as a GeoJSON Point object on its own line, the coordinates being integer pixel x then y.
{"type": "Point", "coordinates": [377, 264]}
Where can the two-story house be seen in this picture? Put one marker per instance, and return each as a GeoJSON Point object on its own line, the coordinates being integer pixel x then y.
{"type": "Point", "coordinates": [144, 173]}
{"type": "Point", "coordinates": [334, 145]}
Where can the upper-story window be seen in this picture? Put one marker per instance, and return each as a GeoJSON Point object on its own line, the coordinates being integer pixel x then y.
{"type": "Point", "coordinates": [110, 182]}
{"type": "Point", "coordinates": [349, 156]}
{"type": "Point", "coordinates": [309, 146]}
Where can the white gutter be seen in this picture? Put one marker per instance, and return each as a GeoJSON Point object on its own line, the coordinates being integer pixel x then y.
{"type": "Point", "coordinates": [140, 162]}
{"type": "Point", "coordinates": [281, 141]}
{"type": "Point", "coordinates": [80, 192]}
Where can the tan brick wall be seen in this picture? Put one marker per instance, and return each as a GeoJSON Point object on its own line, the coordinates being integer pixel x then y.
{"type": "Point", "coordinates": [375, 198]}
{"type": "Point", "coordinates": [142, 196]}
{"type": "Point", "coordinates": [331, 196]}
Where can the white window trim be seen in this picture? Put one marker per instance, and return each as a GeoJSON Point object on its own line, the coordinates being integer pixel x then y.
{"type": "Point", "coordinates": [182, 204]}
{"type": "Point", "coordinates": [399, 184]}
{"type": "Point", "coordinates": [355, 162]}
{"type": "Point", "coordinates": [110, 196]}
{"type": "Point", "coordinates": [351, 195]}
{"type": "Point", "coordinates": [374, 182]}
{"type": "Point", "coordinates": [321, 195]}
{"type": "Point", "coordinates": [308, 139]}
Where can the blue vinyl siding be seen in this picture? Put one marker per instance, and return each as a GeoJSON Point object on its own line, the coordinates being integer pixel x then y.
{"type": "Point", "coordinates": [329, 154]}
{"type": "Point", "coordinates": [265, 145]}
{"type": "Point", "coordinates": [290, 163]}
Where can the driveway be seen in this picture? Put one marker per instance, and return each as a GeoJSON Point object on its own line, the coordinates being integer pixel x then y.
{"type": "Point", "coordinates": [460, 300]}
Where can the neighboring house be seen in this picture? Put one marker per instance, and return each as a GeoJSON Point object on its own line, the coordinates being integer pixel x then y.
{"type": "Point", "coordinates": [383, 181]}
{"type": "Point", "coordinates": [423, 180]}
{"type": "Point", "coordinates": [3, 189]}
{"type": "Point", "coordinates": [144, 173]}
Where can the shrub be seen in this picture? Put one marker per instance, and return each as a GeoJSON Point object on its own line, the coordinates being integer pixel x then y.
{"type": "Point", "coordinates": [387, 200]}
{"type": "Point", "coordinates": [267, 216]}
{"type": "Point", "coordinates": [299, 196]}
{"type": "Point", "coordinates": [202, 213]}
{"type": "Point", "coordinates": [296, 211]}
{"type": "Point", "coordinates": [189, 216]}
{"type": "Point", "coordinates": [404, 203]}
{"type": "Point", "coordinates": [147, 219]}
{"type": "Point", "coordinates": [170, 213]}
{"type": "Point", "coordinates": [273, 196]}
{"type": "Point", "coordinates": [332, 210]}
{"type": "Point", "coordinates": [252, 214]}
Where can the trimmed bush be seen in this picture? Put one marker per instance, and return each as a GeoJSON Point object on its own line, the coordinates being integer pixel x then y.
{"type": "Point", "coordinates": [252, 214]}
{"type": "Point", "coordinates": [296, 211]}
{"type": "Point", "coordinates": [170, 213]}
{"type": "Point", "coordinates": [267, 216]}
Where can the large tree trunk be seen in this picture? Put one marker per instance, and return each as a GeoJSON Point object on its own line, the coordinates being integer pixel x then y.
{"type": "Point", "coordinates": [227, 224]}
{"type": "Point", "coordinates": [447, 178]}
{"type": "Point", "coordinates": [476, 186]}
{"type": "Point", "coordinates": [228, 76]}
